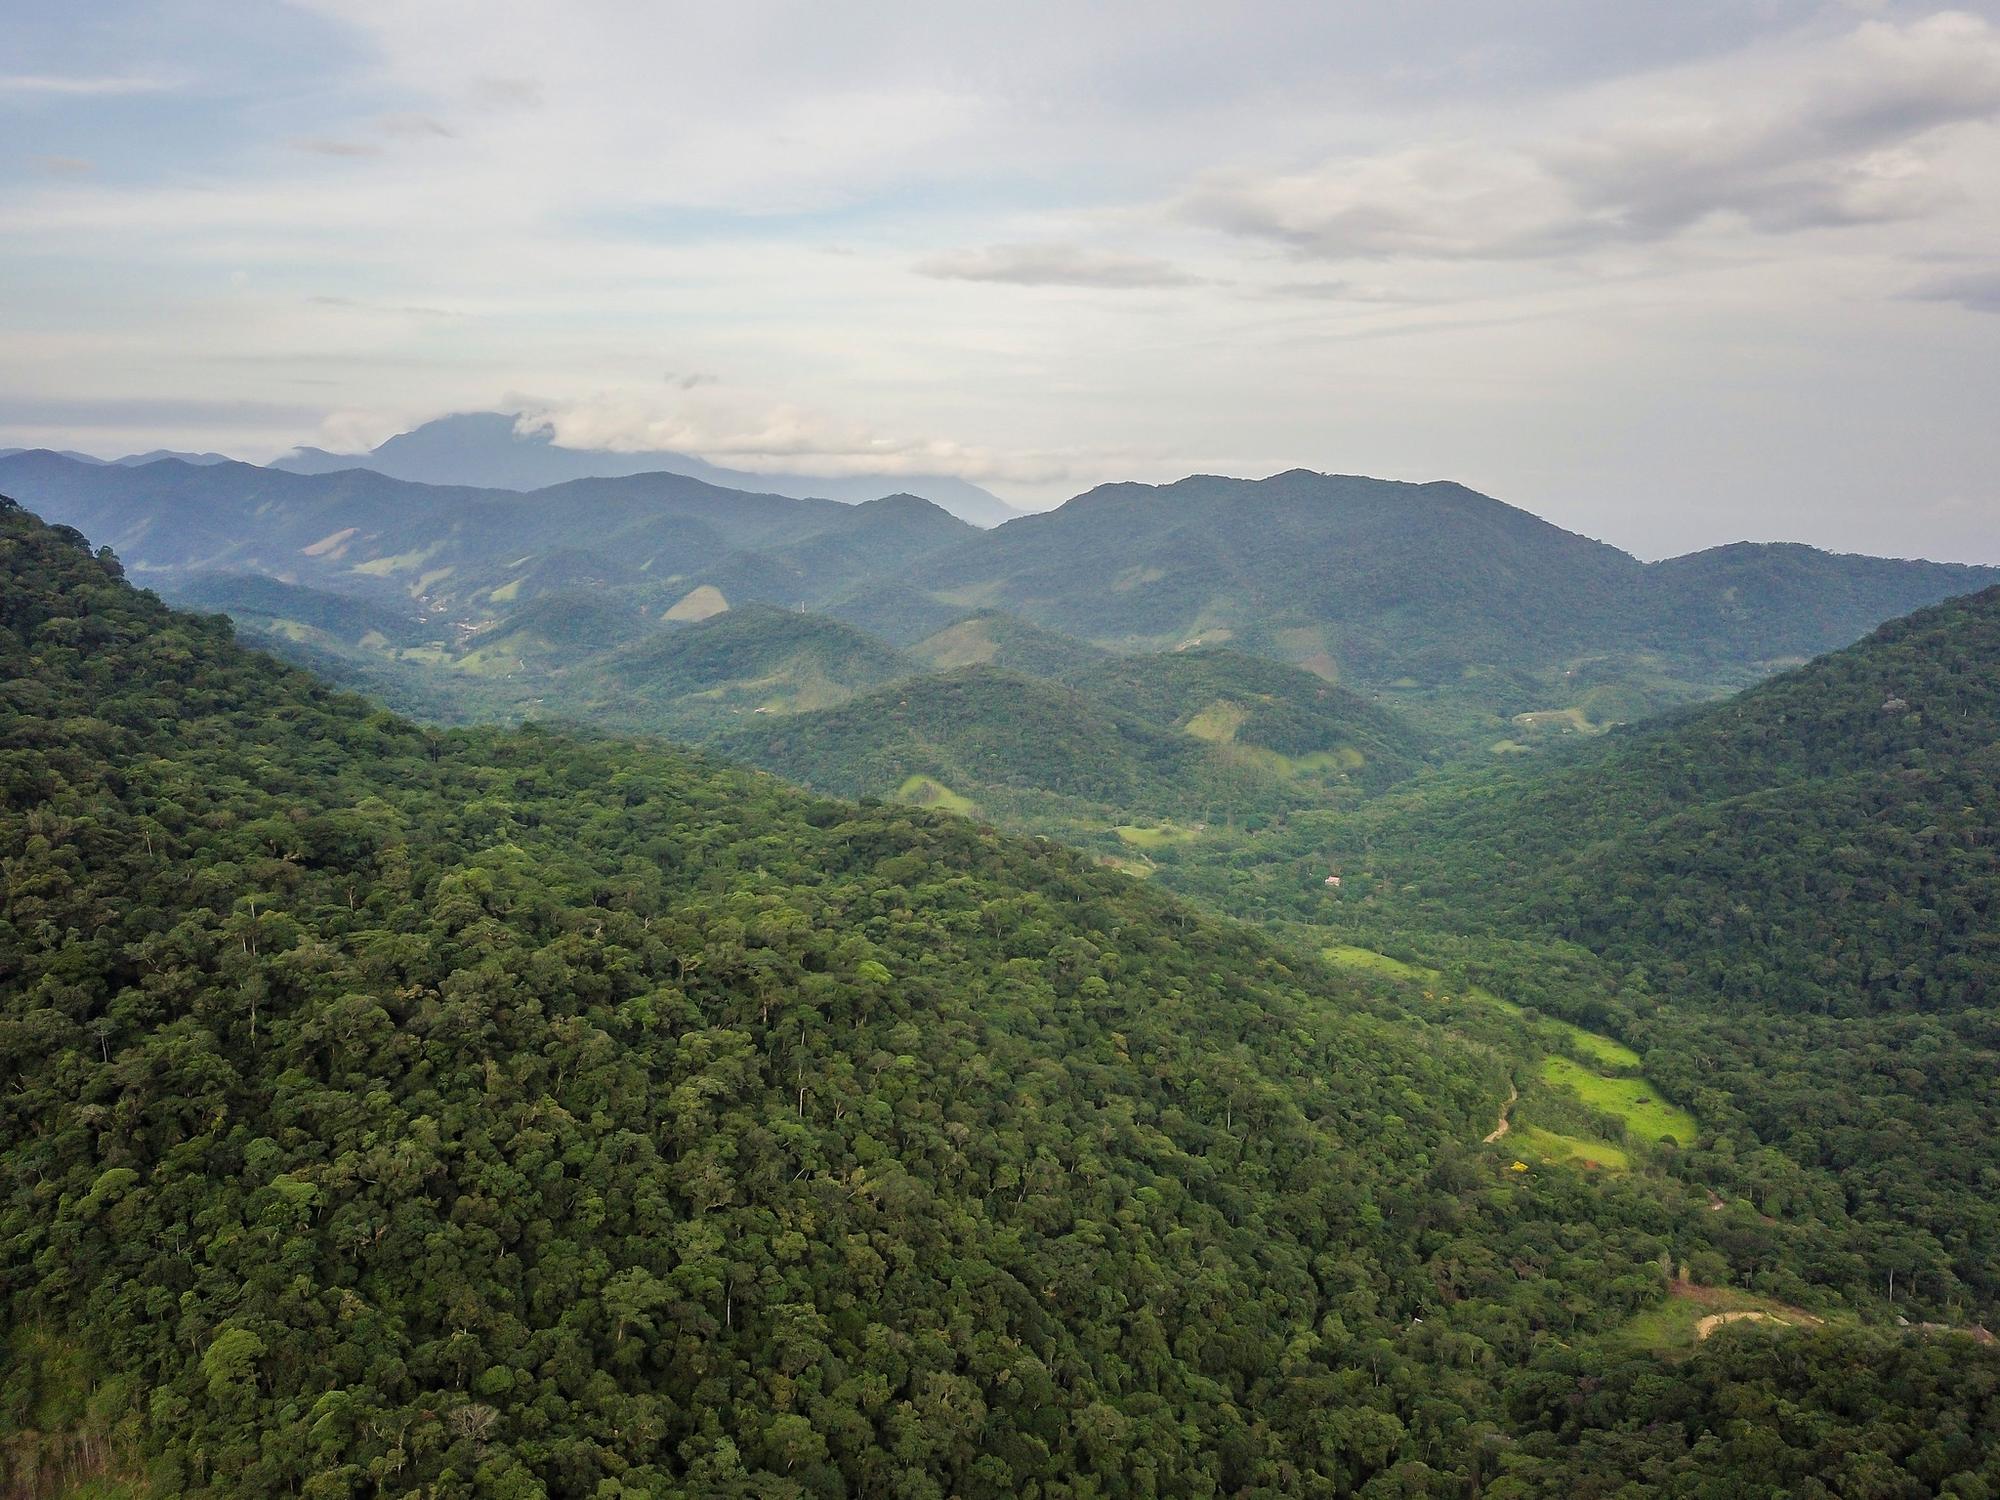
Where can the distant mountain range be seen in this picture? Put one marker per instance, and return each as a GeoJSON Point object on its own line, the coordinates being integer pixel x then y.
{"type": "Point", "coordinates": [492, 450]}
{"type": "Point", "coordinates": [130, 460]}
{"type": "Point", "coordinates": [1475, 620]}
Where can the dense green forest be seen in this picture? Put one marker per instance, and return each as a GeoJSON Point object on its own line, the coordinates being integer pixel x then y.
{"type": "Point", "coordinates": [395, 1110]}
{"type": "Point", "coordinates": [1785, 901]}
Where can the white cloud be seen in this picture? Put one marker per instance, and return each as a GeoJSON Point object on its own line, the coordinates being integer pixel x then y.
{"type": "Point", "coordinates": [1054, 265]}
{"type": "Point", "coordinates": [1647, 268]}
{"type": "Point", "coordinates": [85, 85]}
{"type": "Point", "coordinates": [1830, 133]}
{"type": "Point", "coordinates": [322, 146]}
{"type": "Point", "coordinates": [767, 438]}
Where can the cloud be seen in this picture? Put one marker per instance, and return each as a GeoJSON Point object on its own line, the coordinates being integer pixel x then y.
{"type": "Point", "coordinates": [1054, 265]}
{"type": "Point", "coordinates": [412, 125]}
{"type": "Point", "coordinates": [32, 408]}
{"type": "Point", "coordinates": [768, 438]}
{"type": "Point", "coordinates": [505, 93]}
{"type": "Point", "coordinates": [1977, 291]}
{"type": "Point", "coordinates": [66, 166]}
{"type": "Point", "coordinates": [83, 85]}
{"type": "Point", "coordinates": [324, 146]}
{"type": "Point", "coordinates": [409, 309]}
{"type": "Point", "coordinates": [1830, 134]}
{"type": "Point", "coordinates": [1335, 290]}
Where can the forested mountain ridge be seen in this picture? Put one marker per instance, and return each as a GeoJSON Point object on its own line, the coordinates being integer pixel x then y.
{"type": "Point", "coordinates": [1385, 580]}
{"type": "Point", "coordinates": [1443, 601]}
{"type": "Point", "coordinates": [396, 1111]}
{"type": "Point", "coordinates": [451, 550]}
{"type": "Point", "coordinates": [1795, 891]}
{"type": "Point", "coordinates": [1823, 840]}
{"type": "Point", "coordinates": [1117, 754]}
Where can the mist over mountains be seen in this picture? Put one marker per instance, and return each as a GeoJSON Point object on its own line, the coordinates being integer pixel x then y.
{"type": "Point", "coordinates": [492, 450]}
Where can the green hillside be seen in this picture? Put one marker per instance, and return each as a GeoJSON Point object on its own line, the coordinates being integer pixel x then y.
{"type": "Point", "coordinates": [702, 678]}
{"type": "Point", "coordinates": [1470, 610]}
{"type": "Point", "coordinates": [975, 729]}
{"type": "Point", "coordinates": [1137, 755]}
{"type": "Point", "coordinates": [545, 1112]}
{"type": "Point", "coordinates": [516, 1114]}
{"type": "Point", "coordinates": [1783, 901]}
{"type": "Point", "coordinates": [310, 616]}
{"type": "Point", "coordinates": [874, 541]}
{"type": "Point", "coordinates": [991, 638]}
{"type": "Point", "coordinates": [1260, 712]}
{"type": "Point", "coordinates": [1491, 629]}
{"type": "Point", "coordinates": [1818, 843]}
{"type": "Point", "coordinates": [555, 629]}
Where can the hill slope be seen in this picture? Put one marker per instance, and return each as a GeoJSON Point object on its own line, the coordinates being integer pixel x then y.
{"type": "Point", "coordinates": [1821, 840]}
{"type": "Point", "coordinates": [1793, 893]}
{"type": "Point", "coordinates": [974, 729]}
{"type": "Point", "coordinates": [1262, 712]}
{"type": "Point", "coordinates": [482, 1092]}
{"type": "Point", "coordinates": [704, 678]}
{"type": "Point", "coordinates": [1430, 586]}
{"type": "Point", "coordinates": [512, 1114]}
{"type": "Point", "coordinates": [1491, 627]}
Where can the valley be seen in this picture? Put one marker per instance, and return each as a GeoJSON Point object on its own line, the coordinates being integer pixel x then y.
{"type": "Point", "coordinates": [1270, 971]}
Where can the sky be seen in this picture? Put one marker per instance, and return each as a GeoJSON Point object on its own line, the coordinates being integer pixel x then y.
{"type": "Point", "coordinates": [1668, 275]}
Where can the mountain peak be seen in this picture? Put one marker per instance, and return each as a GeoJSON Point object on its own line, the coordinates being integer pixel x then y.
{"type": "Point", "coordinates": [497, 450]}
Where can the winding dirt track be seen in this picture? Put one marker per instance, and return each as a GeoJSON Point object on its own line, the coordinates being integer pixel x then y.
{"type": "Point", "coordinates": [1705, 1326]}
{"type": "Point", "coordinates": [1504, 1126]}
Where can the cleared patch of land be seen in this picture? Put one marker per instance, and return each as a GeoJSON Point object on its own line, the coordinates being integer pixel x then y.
{"type": "Point", "coordinates": [1558, 720]}
{"type": "Point", "coordinates": [1692, 1313]}
{"type": "Point", "coordinates": [1138, 869]}
{"type": "Point", "coordinates": [1602, 1048]}
{"type": "Point", "coordinates": [928, 791]}
{"type": "Point", "coordinates": [1576, 1150]}
{"type": "Point", "coordinates": [1159, 836]}
{"type": "Point", "coordinates": [1218, 722]}
{"type": "Point", "coordinates": [1349, 956]}
{"type": "Point", "coordinates": [1609, 1082]}
{"type": "Point", "coordinates": [1635, 1101]}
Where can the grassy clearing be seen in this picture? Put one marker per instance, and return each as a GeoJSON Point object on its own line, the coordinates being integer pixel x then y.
{"type": "Point", "coordinates": [1648, 1117]}
{"type": "Point", "coordinates": [969, 643]}
{"type": "Point", "coordinates": [1601, 1048]}
{"type": "Point", "coordinates": [698, 604]}
{"type": "Point", "coordinates": [1691, 1313]}
{"type": "Point", "coordinates": [1138, 869]}
{"type": "Point", "coordinates": [1159, 837]}
{"type": "Point", "coordinates": [402, 562]}
{"type": "Point", "coordinates": [1558, 720]}
{"type": "Point", "coordinates": [1350, 957]}
{"type": "Point", "coordinates": [1218, 723]}
{"type": "Point", "coordinates": [1634, 1100]}
{"type": "Point", "coordinates": [928, 791]}
{"type": "Point", "coordinates": [1574, 1150]}
{"type": "Point", "coordinates": [1342, 760]}
{"type": "Point", "coordinates": [329, 544]}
